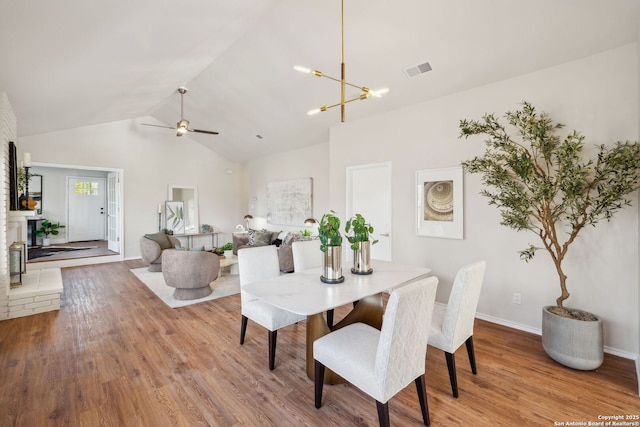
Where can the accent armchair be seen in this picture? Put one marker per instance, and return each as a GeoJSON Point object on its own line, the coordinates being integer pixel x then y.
{"type": "Point", "coordinates": [151, 247]}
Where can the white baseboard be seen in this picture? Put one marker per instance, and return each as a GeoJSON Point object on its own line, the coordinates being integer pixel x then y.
{"type": "Point", "coordinates": [537, 331]}
{"type": "Point", "coordinates": [638, 373]}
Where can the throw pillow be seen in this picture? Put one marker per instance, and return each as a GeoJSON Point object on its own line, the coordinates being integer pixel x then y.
{"type": "Point", "coordinates": [259, 238]}
{"type": "Point", "coordinates": [291, 237]}
{"type": "Point", "coordinates": [161, 239]}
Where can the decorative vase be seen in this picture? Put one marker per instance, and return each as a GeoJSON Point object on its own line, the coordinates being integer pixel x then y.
{"type": "Point", "coordinates": [332, 268]}
{"type": "Point", "coordinates": [575, 343]}
{"type": "Point", "coordinates": [362, 259]}
{"type": "Point", "coordinates": [46, 241]}
{"type": "Point", "coordinates": [228, 254]}
{"type": "Point", "coordinates": [22, 202]}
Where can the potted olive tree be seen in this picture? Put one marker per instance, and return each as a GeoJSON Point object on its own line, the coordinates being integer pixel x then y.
{"type": "Point", "coordinates": [331, 245]}
{"type": "Point", "coordinates": [360, 243]}
{"type": "Point", "coordinates": [542, 183]}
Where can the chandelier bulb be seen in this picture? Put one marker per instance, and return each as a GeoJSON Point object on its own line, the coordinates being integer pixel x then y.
{"type": "Point", "coordinates": [378, 93]}
{"type": "Point", "coordinates": [302, 69]}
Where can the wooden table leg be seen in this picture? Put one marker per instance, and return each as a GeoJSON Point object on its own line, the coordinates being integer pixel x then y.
{"type": "Point", "coordinates": [368, 310]}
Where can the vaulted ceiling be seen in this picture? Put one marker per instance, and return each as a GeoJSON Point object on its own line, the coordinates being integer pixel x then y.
{"type": "Point", "coordinates": [72, 63]}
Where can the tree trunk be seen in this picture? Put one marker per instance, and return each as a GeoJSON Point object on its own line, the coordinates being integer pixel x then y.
{"type": "Point", "coordinates": [563, 282]}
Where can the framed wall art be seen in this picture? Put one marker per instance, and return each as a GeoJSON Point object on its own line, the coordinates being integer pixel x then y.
{"type": "Point", "coordinates": [174, 216]}
{"type": "Point", "coordinates": [439, 199]}
{"type": "Point", "coordinates": [289, 202]}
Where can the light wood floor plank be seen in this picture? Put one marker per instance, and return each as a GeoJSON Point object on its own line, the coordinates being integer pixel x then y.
{"type": "Point", "coordinates": [115, 355]}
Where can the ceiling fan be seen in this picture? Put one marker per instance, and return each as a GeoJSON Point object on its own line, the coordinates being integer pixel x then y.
{"type": "Point", "coordinates": [183, 125]}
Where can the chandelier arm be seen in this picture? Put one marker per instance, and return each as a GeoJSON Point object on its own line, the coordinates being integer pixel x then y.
{"type": "Point", "coordinates": [331, 78]}
{"type": "Point", "coordinates": [361, 97]}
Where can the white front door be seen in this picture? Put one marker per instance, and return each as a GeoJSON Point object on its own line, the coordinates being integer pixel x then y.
{"type": "Point", "coordinates": [369, 194]}
{"type": "Point", "coordinates": [113, 211]}
{"type": "Point", "coordinates": [86, 207]}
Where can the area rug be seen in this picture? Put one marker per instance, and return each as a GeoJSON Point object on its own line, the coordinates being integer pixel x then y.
{"type": "Point", "coordinates": [45, 251]}
{"type": "Point", "coordinates": [224, 285]}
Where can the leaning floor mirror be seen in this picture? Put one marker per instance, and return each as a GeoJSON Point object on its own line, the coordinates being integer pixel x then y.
{"type": "Point", "coordinates": [189, 195]}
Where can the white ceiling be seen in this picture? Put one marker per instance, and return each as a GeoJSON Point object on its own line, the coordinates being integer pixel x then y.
{"type": "Point", "coordinates": [74, 63]}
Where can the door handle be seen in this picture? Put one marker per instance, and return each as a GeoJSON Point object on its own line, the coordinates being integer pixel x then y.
{"type": "Point", "coordinates": [384, 234]}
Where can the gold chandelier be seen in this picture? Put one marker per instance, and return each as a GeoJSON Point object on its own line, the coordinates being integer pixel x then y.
{"type": "Point", "coordinates": [365, 92]}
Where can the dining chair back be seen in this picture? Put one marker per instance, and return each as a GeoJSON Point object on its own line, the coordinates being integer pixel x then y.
{"type": "Point", "coordinates": [255, 264]}
{"type": "Point", "coordinates": [453, 327]}
{"type": "Point", "coordinates": [383, 362]}
{"type": "Point", "coordinates": [306, 254]}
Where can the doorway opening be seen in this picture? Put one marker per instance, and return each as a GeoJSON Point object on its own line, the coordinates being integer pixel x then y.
{"type": "Point", "coordinates": [88, 202]}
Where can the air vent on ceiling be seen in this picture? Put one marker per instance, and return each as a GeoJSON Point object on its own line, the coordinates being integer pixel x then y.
{"type": "Point", "coordinates": [416, 70]}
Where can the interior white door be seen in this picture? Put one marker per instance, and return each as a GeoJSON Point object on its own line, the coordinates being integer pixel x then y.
{"type": "Point", "coordinates": [369, 194]}
{"type": "Point", "coordinates": [113, 211]}
{"type": "Point", "coordinates": [86, 207]}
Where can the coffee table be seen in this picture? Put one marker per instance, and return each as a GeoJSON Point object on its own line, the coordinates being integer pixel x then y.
{"type": "Point", "coordinates": [232, 263]}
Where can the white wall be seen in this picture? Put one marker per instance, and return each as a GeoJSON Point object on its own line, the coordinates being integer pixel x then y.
{"type": "Point", "coordinates": [151, 159]}
{"type": "Point", "coordinates": [638, 352]}
{"type": "Point", "coordinates": [597, 96]}
{"type": "Point", "coordinates": [308, 162]}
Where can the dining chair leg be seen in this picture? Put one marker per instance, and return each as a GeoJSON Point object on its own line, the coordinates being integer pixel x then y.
{"type": "Point", "coordinates": [451, 365]}
{"type": "Point", "coordinates": [472, 354]}
{"type": "Point", "coordinates": [272, 349]}
{"type": "Point", "coordinates": [330, 317]}
{"type": "Point", "coordinates": [383, 413]}
{"type": "Point", "coordinates": [319, 382]}
{"type": "Point", "coordinates": [243, 329]}
{"type": "Point", "coordinates": [422, 397]}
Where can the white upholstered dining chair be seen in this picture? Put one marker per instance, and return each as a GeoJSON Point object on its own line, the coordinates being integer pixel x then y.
{"type": "Point", "coordinates": [256, 264]}
{"type": "Point", "coordinates": [306, 254]}
{"type": "Point", "coordinates": [454, 326]}
{"type": "Point", "coordinates": [383, 362]}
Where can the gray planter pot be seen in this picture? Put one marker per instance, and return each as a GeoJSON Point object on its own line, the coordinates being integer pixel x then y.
{"type": "Point", "coordinates": [577, 344]}
{"type": "Point", "coordinates": [362, 259]}
{"type": "Point", "coordinates": [332, 268]}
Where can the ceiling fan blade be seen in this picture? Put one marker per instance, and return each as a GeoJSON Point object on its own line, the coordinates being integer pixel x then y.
{"type": "Point", "coordinates": [210, 132]}
{"type": "Point", "coordinates": [158, 126]}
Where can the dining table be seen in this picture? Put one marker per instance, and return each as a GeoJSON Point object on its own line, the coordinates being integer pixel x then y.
{"type": "Point", "coordinates": [302, 292]}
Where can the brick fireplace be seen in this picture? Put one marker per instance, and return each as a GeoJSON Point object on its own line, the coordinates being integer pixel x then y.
{"type": "Point", "coordinates": [40, 290]}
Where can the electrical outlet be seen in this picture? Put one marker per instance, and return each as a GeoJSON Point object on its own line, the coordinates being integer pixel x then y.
{"type": "Point", "coordinates": [517, 298]}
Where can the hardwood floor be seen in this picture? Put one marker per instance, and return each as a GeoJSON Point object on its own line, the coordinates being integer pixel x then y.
{"type": "Point", "coordinates": [115, 355]}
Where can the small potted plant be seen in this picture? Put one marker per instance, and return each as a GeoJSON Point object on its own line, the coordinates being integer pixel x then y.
{"type": "Point", "coordinates": [48, 228]}
{"type": "Point", "coordinates": [331, 245]}
{"type": "Point", "coordinates": [226, 249]}
{"type": "Point", "coordinates": [306, 234]}
{"type": "Point", "coordinates": [360, 243]}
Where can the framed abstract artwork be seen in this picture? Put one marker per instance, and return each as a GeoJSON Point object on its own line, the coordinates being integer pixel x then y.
{"type": "Point", "coordinates": [439, 199]}
{"type": "Point", "coordinates": [289, 202]}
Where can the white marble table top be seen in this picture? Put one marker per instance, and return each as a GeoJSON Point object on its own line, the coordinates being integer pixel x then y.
{"type": "Point", "coordinates": [304, 293]}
